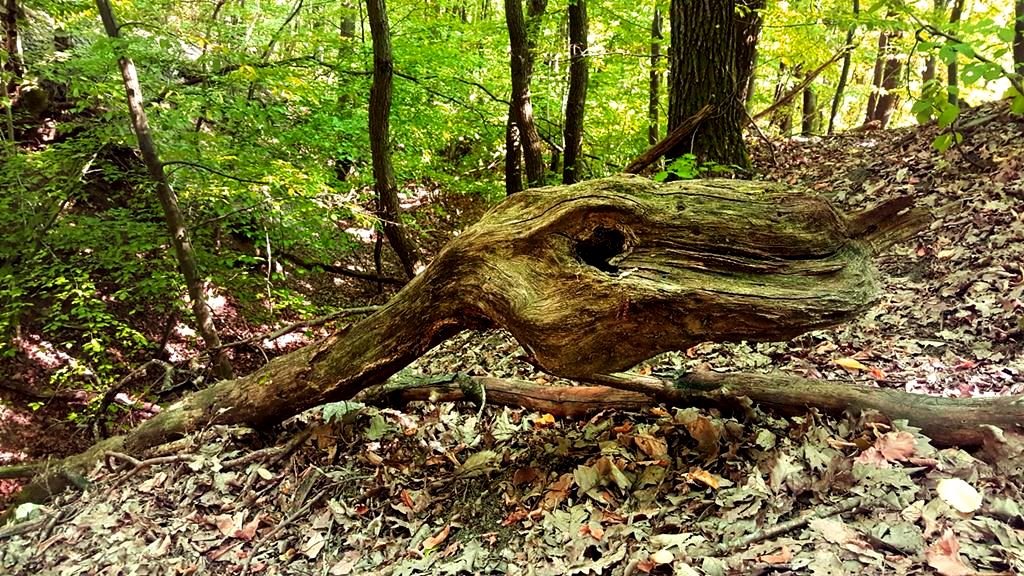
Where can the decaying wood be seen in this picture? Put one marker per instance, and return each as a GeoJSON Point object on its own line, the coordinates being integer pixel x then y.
{"type": "Point", "coordinates": [590, 279]}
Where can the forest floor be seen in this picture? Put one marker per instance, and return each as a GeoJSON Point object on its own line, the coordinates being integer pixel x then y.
{"type": "Point", "coordinates": [443, 488]}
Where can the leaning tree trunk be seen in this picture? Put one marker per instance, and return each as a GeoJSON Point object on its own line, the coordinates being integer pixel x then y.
{"type": "Point", "coordinates": [844, 73]}
{"type": "Point", "coordinates": [380, 138]}
{"type": "Point", "coordinates": [576, 101]}
{"type": "Point", "coordinates": [590, 279]}
{"type": "Point", "coordinates": [521, 68]}
{"type": "Point", "coordinates": [703, 57]}
{"type": "Point", "coordinates": [173, 217]}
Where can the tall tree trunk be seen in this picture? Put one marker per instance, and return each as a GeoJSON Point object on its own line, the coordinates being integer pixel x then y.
{"type": "Point", "coordinates": [654, 93]}
{"type": "Point", "coordinates": [12, 46]}
{"type": "Point", "coordinates": [168, 201]}
{"type": "Point", "coordinates": [953, 68]}
{"type": "Point", "coordinates": [513, 155]}
{"type": "Point", "coordinates": [888, 97]}
{"type": "Point", "coordinates": [748, 30]}
{"type": "Point", "coordinates": [1018, 38]}
{"type": "Point", "coordinates": [576, 102]}
{"type": "Point", "coordinates": [521, 67]}
{"type": "Point", "coordinates": [809, 114]}
{"type": "Point", "coordinates": [876, 77]}
{"type": "Point", "coordinates": [928, 74]}
{"type": "Point", "coordinates": [704, 71]}
{"type": "Point", "coordinates": [782, 117]}
{"type": "Point", "coordinates": [844, 73]}
{"type": "Point", "coordinates": [380, 137]}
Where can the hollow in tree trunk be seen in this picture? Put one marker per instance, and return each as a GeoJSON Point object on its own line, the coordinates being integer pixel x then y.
{"type": "Point", "coordinates": [576, 101]}
{"type": "Point", "coordinates": [703, 57]}
{"type": "Point", "coordinates": [380, 138]}
{"type": "Point", "coordinates": [173, 217]}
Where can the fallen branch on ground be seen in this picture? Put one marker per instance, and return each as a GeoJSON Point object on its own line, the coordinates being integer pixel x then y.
{"type": "Point", "coordinates": [339, 270]}
{"type": "Point", "coordinates": [680, 133]}
{"type": "Point", "coordinates": [947, 421]}
{"type": "Point", "coordinates": [311, 323]}
{"type": "Point", "coordinates": [784, 99]}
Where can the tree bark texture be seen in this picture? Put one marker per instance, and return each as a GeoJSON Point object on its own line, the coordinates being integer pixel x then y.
{"type": "Point", "coordinates": [876, 76]}
{"type": "Point", "coordinates": [380, 138]}
{"type": "Point", "coordinates": [809, 112]}
{"type": "Point", "coordinates": [844, 73]}
{"type": "Point", "coordinates": [175, 220]}
{"type": "Point", "coordinates": [946, 421]}
{"type": "Point", "coordinates": [953, 68]}
{"type": "Point", "coordinates": [703, 57]}
{"type": "Point", "coordinates": [513, 155]}
{"type": "Point", "coordinates": [521, 68]}
{"type": "Point", "coordinates": [748, 30]}
{"type": "Point", "coordinates": [886, 80]}
{"type": "Point", "coordinates": [889, 98]}
{"type": "Point", "coordinates": [654, 89]}
{"type": "Point", "coordinates": [12, 46]}
{"type": "Point", "coordinates": [590, 279]}
{"type": "Point", "coordinates": [576, 101]}
{"type": "Point", "coordinates": [1018, 37]}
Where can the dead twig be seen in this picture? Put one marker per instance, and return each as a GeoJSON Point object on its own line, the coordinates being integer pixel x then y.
{"type": "Point", "coordinates": [99, 424]}
{"type": "Point", "coordinates": [140, 465]}
{"type": "Point", "coordinates": [280, 526]}
{"type": "Point", "coordinates": [311, 323]}
{"type": "Point", "coordinates": [789, 525]}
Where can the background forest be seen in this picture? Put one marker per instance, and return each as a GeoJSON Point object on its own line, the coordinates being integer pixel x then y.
{"type": "Point", "coordinates": [282, 405]}
{"type": "Point", "coordinates": [259, 110]}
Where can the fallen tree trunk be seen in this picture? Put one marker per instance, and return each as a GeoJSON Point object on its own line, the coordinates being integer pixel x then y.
{"type": "Point", "coordinates": [947, 421]}
{"type": "Point", "coordinates": [590, 278]}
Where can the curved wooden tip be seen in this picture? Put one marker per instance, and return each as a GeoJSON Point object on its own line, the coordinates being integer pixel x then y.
{"type": "Point", "coordinates": [890, 222]}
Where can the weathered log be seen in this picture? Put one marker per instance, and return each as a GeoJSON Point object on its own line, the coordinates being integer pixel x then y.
{"type": "Point", "coordinates": [947, 421]}
{"type": "Point", "coordinates": [590, 278]}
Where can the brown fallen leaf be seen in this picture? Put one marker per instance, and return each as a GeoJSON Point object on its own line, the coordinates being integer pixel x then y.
{"type": "Point", "coordinates": [656, 448]}
{"type": "Point", "coordinates": [438, 538]}
{"type": "Point", "coordinates": [784, 556]}
{"type": "Point", "coordinates": [944, 556]}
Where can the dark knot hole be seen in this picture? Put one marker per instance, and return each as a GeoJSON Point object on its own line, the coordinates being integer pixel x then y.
{"type": "Point", "coordinates": [600, 247]}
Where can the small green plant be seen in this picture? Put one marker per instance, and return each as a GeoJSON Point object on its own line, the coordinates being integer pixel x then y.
{"type": "Point", "coordinates": [688, 167]}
